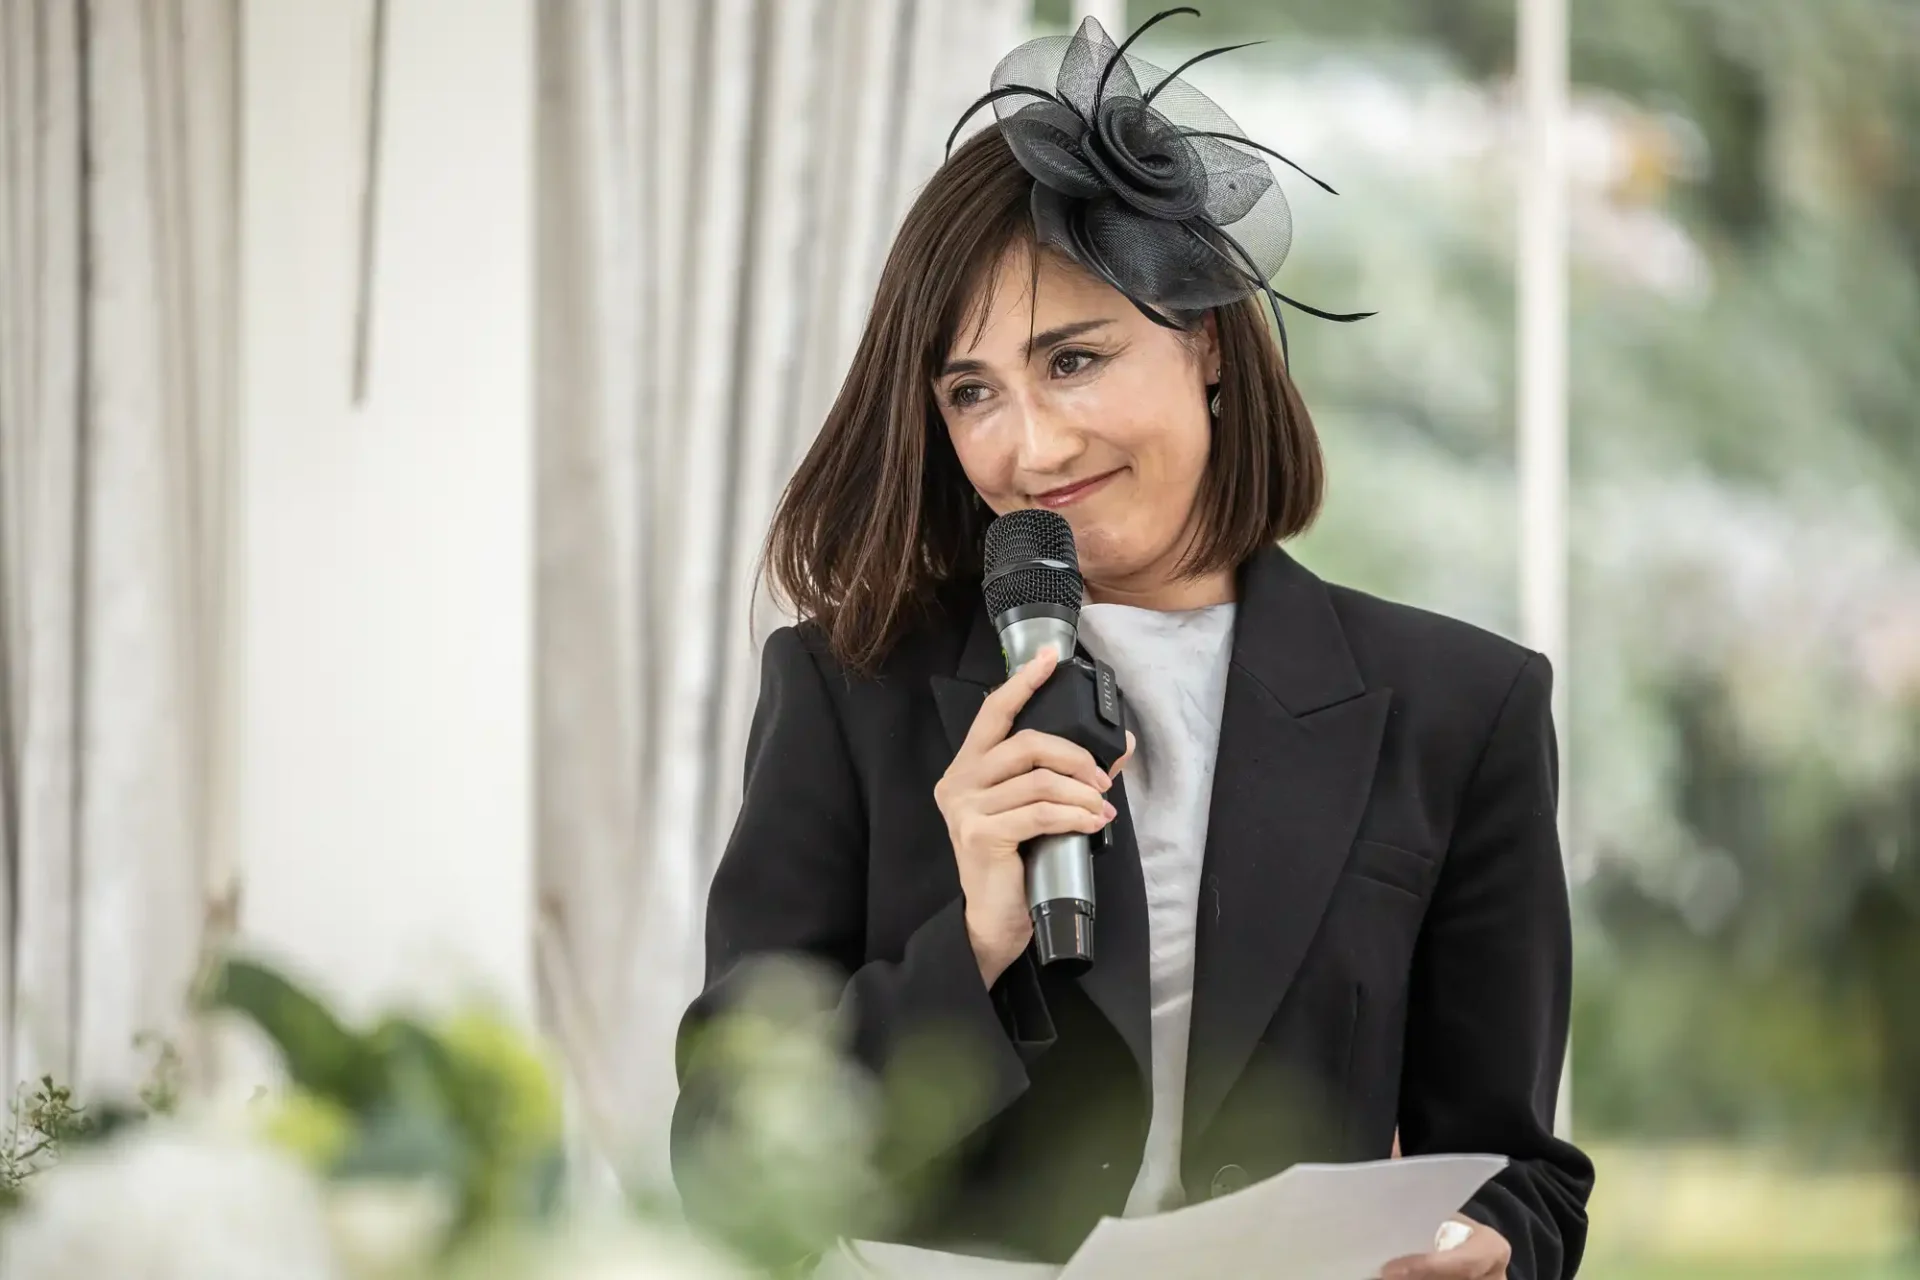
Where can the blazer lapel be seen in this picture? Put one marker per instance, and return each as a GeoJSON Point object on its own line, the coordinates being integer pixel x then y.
{"type": "Point", "coordinates": [1299, 739]}
{"type": "Point", "coordinates": [1117, 982]}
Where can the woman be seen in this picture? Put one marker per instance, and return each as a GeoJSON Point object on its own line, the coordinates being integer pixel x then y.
{"type": "Point", "coordinates": [1332, 910]}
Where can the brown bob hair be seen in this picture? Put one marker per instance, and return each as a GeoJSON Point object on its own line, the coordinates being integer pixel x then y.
{"type": "Point", "coordinates": [880, 516]}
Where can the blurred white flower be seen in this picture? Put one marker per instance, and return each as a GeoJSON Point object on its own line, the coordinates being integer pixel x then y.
{"type": "Point", "coordinates": [618, 1249]}
{"type": "Point", "coordinates": [170, 1202]}
{"type": "Point", "coordinates": [387, 1226]}
{"type": "Point", "coordinates": [794, 1159]}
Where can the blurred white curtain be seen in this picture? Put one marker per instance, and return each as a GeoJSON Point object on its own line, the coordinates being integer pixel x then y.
{"type": "Point", "coordinates": [117, 218]}
{"type": "Point", "coordinates": [718, 184]}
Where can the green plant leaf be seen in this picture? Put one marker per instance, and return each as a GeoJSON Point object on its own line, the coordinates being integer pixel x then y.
{"type": "Point", "coordinates": [408, 1140]}
{"type": "Point", "coordinates": [322, 1055]}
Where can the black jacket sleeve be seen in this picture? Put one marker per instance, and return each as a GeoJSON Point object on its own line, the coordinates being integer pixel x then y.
{"type": "Point", "coordinates": [792, 882]}
{"type": "Point", "coordinates": [1487, 1015]}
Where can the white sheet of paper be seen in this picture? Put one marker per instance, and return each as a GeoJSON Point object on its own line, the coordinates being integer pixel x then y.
{"type": "Point", "coordinates": [1313, 1222]}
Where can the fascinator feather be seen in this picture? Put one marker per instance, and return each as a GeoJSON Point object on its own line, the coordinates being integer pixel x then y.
{"type": "Point", "coordinates": [1141, 179]}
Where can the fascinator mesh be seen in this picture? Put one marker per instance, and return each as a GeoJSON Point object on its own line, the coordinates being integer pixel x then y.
{"type": "Point", "coordinates": [1141, 179]}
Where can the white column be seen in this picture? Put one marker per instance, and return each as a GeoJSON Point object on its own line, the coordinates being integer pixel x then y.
{"type": "Point", "coordinates": [384, 763]}
{"type": "Point", "coordinates": [1112, 15]}
{"type": "Point", "coordinates": [1542, 269]}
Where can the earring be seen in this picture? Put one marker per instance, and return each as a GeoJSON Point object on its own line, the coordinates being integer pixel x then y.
{"type": "Point", "coordinates": [1213, 405]}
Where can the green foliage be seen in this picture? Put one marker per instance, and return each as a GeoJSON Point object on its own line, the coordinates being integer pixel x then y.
{"type": "Point", "coordinates": [1748, 1269]}
{"type": "Point", "coordinates": [45, 1121]}
{"type": "Point", "coordinates": [322, 1057]}
{"type": "Point", "coordinates": [793, 1146]}
{"type": "Point", "coordinates": [160, 1092]}
{"type": "Point", "coordinates": [1674, 1041]}
{"type": "Point", "coordinates": [436, 1142]}
{"type": "Point", "coordinates": [467, 1104]}
{"type": "Point", "coordinates": [783, 1162]}
{"type": "Point", "coordinates": [41, 1119]}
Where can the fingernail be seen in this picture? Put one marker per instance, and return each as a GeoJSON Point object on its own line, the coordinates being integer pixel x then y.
{"type": "Point", "coordinates": [1106, 781]}
{"type": "Point", "coordinates": [1111, 811]}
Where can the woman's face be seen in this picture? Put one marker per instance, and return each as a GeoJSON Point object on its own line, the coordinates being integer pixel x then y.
{"type": "Point", "coordinates": [1103, 418]}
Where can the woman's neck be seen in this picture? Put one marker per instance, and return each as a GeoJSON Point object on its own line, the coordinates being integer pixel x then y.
{"type": "Point", "coordinates": [1166, 595]}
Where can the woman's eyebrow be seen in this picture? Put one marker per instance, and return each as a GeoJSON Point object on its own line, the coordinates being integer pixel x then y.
{"type": "Point", "coordinates": [963, 366]}
{"type": "Point", "coordinates": [1039, 342]}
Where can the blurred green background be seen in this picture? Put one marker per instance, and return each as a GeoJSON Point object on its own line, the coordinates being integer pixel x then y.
{"type": "Point", "coordinates": [1742, 765]}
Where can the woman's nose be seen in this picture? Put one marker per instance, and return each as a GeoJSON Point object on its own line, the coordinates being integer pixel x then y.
{"type": "Point", "coordinates": [1048, 443]}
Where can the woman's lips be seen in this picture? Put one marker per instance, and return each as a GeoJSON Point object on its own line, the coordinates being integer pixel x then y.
{"type": "Point", "coordinates": [1067, 495]}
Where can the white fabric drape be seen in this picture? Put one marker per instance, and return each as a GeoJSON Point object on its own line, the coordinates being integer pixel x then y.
{"type": "Point", "coordinates": [719, 181]}
{"type": "Point", "coordinates": [117, 217]}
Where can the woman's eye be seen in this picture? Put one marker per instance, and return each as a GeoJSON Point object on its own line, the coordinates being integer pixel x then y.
{"type": "Point", "coordinates": [966, 395]}
{"type": "Point", "coordinates": [1068, 363]}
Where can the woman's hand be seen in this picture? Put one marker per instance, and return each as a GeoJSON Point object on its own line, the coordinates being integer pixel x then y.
{"type": "Point", "coordinates": [1001, 791]}
{"type": "Point", "coordinates": [1483, 1255]}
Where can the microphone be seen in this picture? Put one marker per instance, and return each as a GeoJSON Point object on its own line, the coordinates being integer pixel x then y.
{"type": "Point", "coordinates": [1033, 590]}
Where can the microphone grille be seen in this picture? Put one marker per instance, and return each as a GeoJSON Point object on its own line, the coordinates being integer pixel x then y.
{"type": "Point", "coordinates": [1030, 559]}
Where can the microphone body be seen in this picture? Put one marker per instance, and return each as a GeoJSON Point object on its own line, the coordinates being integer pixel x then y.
{"type": "Point", "coordinates": [1060, 896]}
{"type": "Point", "coordinates": [1033, 592]}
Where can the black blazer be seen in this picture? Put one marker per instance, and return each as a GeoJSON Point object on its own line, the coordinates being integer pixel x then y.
{"type": "Point", "coordinates": [1383, 939]}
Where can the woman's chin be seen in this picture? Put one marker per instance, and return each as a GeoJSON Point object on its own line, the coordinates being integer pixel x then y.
{"type": "Point", "coordinates": [1106, 539]}
{"type": "Point", "coordinates": [1092, 540]}
{"type": "Point", "coordinates": [1101, 560]}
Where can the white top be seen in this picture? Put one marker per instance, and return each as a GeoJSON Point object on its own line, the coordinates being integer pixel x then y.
{"type": "Point", "coordinates": [1172, 668]}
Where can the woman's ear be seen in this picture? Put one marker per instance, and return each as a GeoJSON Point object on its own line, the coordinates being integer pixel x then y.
{"type": "Point", "coordinates": [1208, 348]}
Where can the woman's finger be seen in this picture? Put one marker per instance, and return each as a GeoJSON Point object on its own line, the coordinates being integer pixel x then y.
{"type": "Point", "coordinates": [1483, 1256]}
{"type": "Point", "coordinates": [1042, 784]}
{"type": "Point", "coordinates": [1125, 756]}
{"type": "Point", "coordinates": [994, 720]}
{"type": "Point", "coordinates": [1042, 818]}
{"type": "Point", "coordinates": [1031, 749]}
{"type": "Point", "coordinates": [1436, 1266]}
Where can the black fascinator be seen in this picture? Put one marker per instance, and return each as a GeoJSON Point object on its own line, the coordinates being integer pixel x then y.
{"type": "Point", "coordinates": [1141, 179]}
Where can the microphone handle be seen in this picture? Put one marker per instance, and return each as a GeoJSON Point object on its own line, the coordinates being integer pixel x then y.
{"type": "Point", "coordinates": [1024, 632]}
{"type": "Point", "coordinates": [1060, 897]}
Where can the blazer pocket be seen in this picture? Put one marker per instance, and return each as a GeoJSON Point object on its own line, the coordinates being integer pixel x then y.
{"type": "Point", "coordinates": [1392, 866]}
